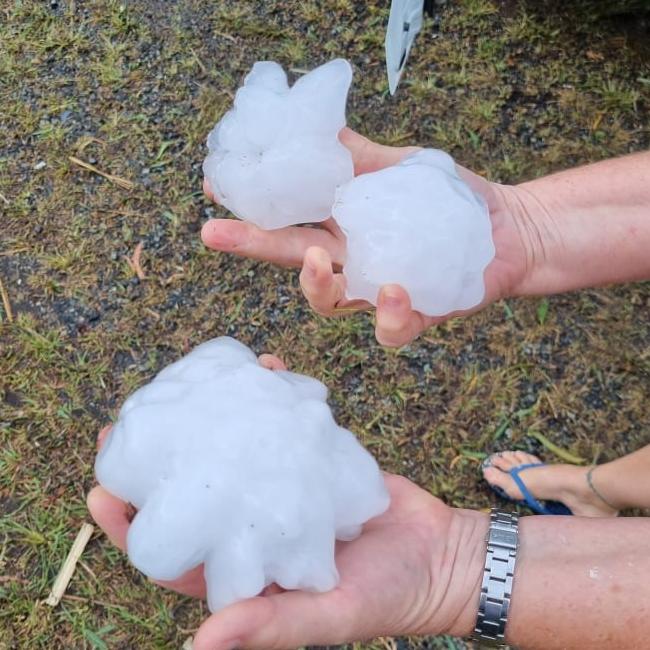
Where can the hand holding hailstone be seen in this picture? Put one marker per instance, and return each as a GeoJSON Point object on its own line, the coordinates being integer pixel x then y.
{"type": "Point", "coordinates": [240, 469]}
{"type": "Point", "coordinates": [276, 160]}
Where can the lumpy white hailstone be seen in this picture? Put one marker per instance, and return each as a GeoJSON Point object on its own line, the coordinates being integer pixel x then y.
{"type": "Point", "coordinates": [419, 225]}
{"type": "Point", "coordinates": [275, 158]}
{"type": "Point", "coordinates": [241, 468]}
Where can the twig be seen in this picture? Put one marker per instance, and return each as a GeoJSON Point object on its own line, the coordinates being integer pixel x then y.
{"type": "Point", "coordinates": [81, 599]}
{"type": "Point", "coordinates": [230, 37]}
{"type": "Point", "coordinates": [189, 643]}
{"type": "Point", "coordinates": [68, 567]}
{"type": "Point", "coordinates": [87, 140]}
{"type": "Point", "coordinates": [400, 137]}
{"type": "Point", "coordinates": [198, 61]}
{"type": "Point", "coordinates": [388, 643]}
{"type": "Point", "coordinates": [6, 303]}
{"type": "Point", "coordinates": [120, 182]}
{"type": "Point", "coordinates": [14, 251]}
{"type": "Point", "coordinates": [598, 120]}
{"type": "Point", "coordinates": [88, 570]}
{"type": "Point", "coordinates": [134, 261]}
{"type": "Point", "coordinates": [17, 579]}
{"type": "Point", "coordinates": [172, 278]}
{"type": "Point", "coordinates": [4, 198]}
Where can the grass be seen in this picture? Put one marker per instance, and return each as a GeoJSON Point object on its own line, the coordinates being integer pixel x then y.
{"type": "Point", "coordinates": [510, 90]}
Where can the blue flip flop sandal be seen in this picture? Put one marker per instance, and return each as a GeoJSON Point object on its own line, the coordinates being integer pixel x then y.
{"type": "Point", "coordinates": [547, 508]}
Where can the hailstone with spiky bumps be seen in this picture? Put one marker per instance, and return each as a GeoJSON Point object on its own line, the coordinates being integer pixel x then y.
{"type": "Point", "coordinates": [275, 158]}
{"type": "Point", "coordinates": [241, 469]}
{"type": "Point", "coordinates": [419, 225]}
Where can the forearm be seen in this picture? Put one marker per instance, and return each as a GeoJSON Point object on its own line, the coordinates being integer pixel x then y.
{"type": "Point", "coordinates": [585, 227]}
{"type": "Point", "coordinates": [579, 583]}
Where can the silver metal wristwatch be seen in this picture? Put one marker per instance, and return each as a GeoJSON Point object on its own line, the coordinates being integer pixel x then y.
{"type": "Point", "coordinates": [496, 588]}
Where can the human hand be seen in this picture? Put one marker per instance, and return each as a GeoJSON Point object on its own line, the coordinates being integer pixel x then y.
{"type": "Point", "coordinates": [416, 569]}
{"type": "Point", "coordinates": [320, 250]}
{"type": "Point", "coordinates": [114, 516]}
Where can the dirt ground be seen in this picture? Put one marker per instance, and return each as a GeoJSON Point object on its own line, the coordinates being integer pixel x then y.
{"type": "Point", "coordinates": [512, 90]}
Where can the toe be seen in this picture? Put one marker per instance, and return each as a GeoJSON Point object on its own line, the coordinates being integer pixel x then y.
{"type": "Point", "coordinates": [496, 477]}
{"type": "Point", "coordinates": [521, 457]}
{"type": "Point", "coordinates": [529, 458]}
{"type": "Point", "coordinates": [505, 460]}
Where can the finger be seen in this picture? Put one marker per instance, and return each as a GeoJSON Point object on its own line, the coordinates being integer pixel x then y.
{"type": "Point", "coordinates": [101, 436]}
{"type": "Point", "coordinates": [271, 362]}
{"type": "Point", "coordinates": [323, 289]}
{"type": "Point", "coordinates": [191, 583]}
{"type": "Point", "coordinates": [112, 515]}
{"type": "Point", "coordinates": [368, 156]}
{"type": "Point", "coordinates": [397, 324]}
{"type": "Point", "coordinates": [285, 246]}
{"type": "Point", "coordinates": [207, 190]}
{"type": "Point", "coordinates": [288, 620]}
{"type": "Point", "coordinates": [272, 589]}
{"type": "Point", "coordinates": [479, 185]}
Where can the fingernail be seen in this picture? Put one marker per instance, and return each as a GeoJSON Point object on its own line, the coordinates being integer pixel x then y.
{"type": "Point", "coordinates": [310, 268]}
{"type": "Point", "coordinates": [222, 234]}
{"type": "Point", "coordinates": [390, 300]}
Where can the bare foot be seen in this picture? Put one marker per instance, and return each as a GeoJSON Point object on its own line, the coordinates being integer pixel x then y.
{"type": "Point", "coordinates": [564, 483]}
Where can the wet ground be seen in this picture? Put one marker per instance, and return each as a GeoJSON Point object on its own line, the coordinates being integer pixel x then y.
{"type": "Point", "coordinates": [511, 90]}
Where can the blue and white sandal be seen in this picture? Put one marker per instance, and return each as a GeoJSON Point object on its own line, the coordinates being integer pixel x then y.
{"type": "Point", "coordinates": [547, 508]}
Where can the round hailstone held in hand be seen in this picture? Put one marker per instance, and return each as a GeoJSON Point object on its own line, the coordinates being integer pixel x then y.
{"type": "Point", "coordinates": [275, 158]}
{"type": "Point", "coordinates": [240, 468]}
{"type": "Point", "coordinates": [418, 225]}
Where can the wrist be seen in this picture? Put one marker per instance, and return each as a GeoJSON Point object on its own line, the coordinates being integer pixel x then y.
{"type": "Point", "coordinates": [461, 572]}
{"type": "Point", "coordinates": [534, 234]}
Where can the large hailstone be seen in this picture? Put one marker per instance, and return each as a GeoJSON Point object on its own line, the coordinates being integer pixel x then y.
{"type": "Point", "coordinates": [275, 158]}
{"type": "Point", "coordinates": [240, 468]}
{"type": "Point", "coordinates": [418, 225]}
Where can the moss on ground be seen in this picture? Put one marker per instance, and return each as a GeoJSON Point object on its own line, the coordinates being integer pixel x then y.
{"type": "Point", "coordinates": [510, 89]}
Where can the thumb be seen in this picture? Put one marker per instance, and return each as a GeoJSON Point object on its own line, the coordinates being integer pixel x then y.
{"type": "Point", "coordinates": [397, 324]}
{"type": "Point", "coordinates": [368, 156]}
{"type": "Point", "coordinates": [287, 620]}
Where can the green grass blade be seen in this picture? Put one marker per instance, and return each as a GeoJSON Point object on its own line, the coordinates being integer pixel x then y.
{"type": "Point", "coordinates": [554, 449]}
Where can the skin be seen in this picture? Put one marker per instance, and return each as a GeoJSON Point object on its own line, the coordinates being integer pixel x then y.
{"type": "Point", "coordinates": [558, 233]}
{"type": "Point", "coordinates": [321, 251]}
{"type": "Point", "coordinates": [411, 547]}
{"type": "Point", "coordinates": [579, 582]}
{"type": "Point", "coordinates": [624, 482]}
{"type": "Point", "coordinates": [417, 569]}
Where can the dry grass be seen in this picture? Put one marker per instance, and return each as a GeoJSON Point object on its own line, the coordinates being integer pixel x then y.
{"type": "Point", "coordinates": [131, 89]}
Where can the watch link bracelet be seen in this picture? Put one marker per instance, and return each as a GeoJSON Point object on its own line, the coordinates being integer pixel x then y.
{"type": "Point", "coordinates": [496, 587]}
